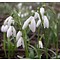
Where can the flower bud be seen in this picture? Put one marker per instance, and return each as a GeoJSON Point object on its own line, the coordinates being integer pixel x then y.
{"type": "Point", "coordinates": [42, 11]}
{"type": "Point", "coordinates": [20, 42]}
{"type": "Point", "coordinates": [40, 44]}
{"type": "Point", "coordinates": [19, 34]}
{"type": "Point", "coordinates": [46, 22]}
{"type": "Point", "coordinates": [38, 23]}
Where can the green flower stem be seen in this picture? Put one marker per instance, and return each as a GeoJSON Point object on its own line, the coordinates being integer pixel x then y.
{"type": "Point", "coordinates": [38, 31]}
{"type": "Point", "coordinates": [25, 43]}
{"type": "Point", "coordinates": [57, 44]}
{"type": "Point", "coordinates": [38, 44]}
{"type": "Point", "coordinates": [9, 48]}
{"type": "Point", "coordinates": [4, 43]}
{"type": "Point", "coordinates": [46, 42]}
{"type": "Point", "coordinates": [57, 49]}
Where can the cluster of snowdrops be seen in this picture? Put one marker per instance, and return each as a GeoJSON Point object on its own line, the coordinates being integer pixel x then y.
{"type": "Point", "coordinates": [32, 23]}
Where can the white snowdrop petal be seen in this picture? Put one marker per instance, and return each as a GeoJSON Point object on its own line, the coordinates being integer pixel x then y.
{"type": "Point", "coordinates": [6, 28]}
{"type": "Point", "coordinates": [32, 25]}
{"type": "Point", "coordinates": [38, 23]}
{"type": "Point", "coordinates": [2, 28]}
{"type": "Point", "coordinates": [46, 22]}
{"type": "Point", "coordinates": [40, 44]}
{"type": "Point", "coordinates": [42, 11]}
{"type": "Point", "coordinates": [36, 15]}
{"type": "Point", "coordinates": [23, 43]}
{"type": "Point", "coordinates": [14, 32]}
{"type": "Point", "coordinates": [19, 42]}
{"type": "Point", "coordinates": [10, 22]}
{"type": "Point", "coordinates": [26, 22]}
{"type": "Point", "coordinates": [7, 20]}
{"type": "Point", "coordinates": [9, 32]}
{"type": "Point", "coordinates": [19, 34]}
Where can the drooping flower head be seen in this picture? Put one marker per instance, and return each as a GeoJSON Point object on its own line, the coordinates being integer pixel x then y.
{"type": "Point", "coordinates": [39, 20]}
{"type": "Point", "coordinates": [31, 23]}
{"type": "Point", "coordinates": [11, 31]}
{"type": "Point", "coordinates": [46, 22]}
{"type": "Point", "coordinates": [42, 11]}
{"type": "Point", "coordinates": [4, 28]}
{"type": "Point", "coordinates": [19, 34]}
{"type": "Point", "coordinates": [20, 42]}
{"type": "Point", "coordinates": [9, 20]}
{"type": "Point", "coordinates": [40, 44]}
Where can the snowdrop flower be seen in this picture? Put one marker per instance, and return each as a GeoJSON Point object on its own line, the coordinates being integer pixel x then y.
{"type": "Point", "coordinates": [32, 25]}
{"type": "Point", "coordinates": [4, 28]}
{"type": "Point", "coordinates": [26, 23]}
{"type": "Point", "coordinates": [38, 23]}
{"type": "Point", "coordinates": [46, 22]}
{"type": "Point", "coordinates": [9, 21]}
{"type": "Point", "coordinates": [42, 11]}
{"type": "Point", "coordinates": [11, 31]}
{"type": "Point", "coordinates": [19, 5]}
{"type": "Point", "coordinates": [19, 34]}
{"type": "Point", "coordinates": [14, 32]}
{"type": "Point", "coordinates": [20, 42]}
{"type": "Point", "coordinates": [40, 44]}
{"type": "Point", "coordinates": [37, 16]}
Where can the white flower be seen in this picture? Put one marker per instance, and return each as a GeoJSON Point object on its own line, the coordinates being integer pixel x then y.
{"type": "Point", "coordinates": [6, 21]}
{"type": "Point", "coordinates": [19, 5]}
{"type": "Point", "coordinates": [40, 44]}
{"type": "Point", "coordinates": [37, 15]}
{"type": "Point", "coordinates": [42, 11]}
{"type": "Point", "coordinates": [20, 42]}
{"type": "Point", "coordinates": [32, 25]}
{"type": "Point", "coordinates": [19, 34]}
{"type": "Point", "coordinates": [9, 20]}
{"type": "Point", "coordinates": [4, 28]}
{"type": "Point", "coordinates": [11, 31]}
{"type": "Point", "coordinates": [38, 23]}
{"type": "Point", "coordinates": [26, 23]}
{"type": "Point", "coordinates": [46, 22]}
{"type": "Point", "coordinates": [14, 31]}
